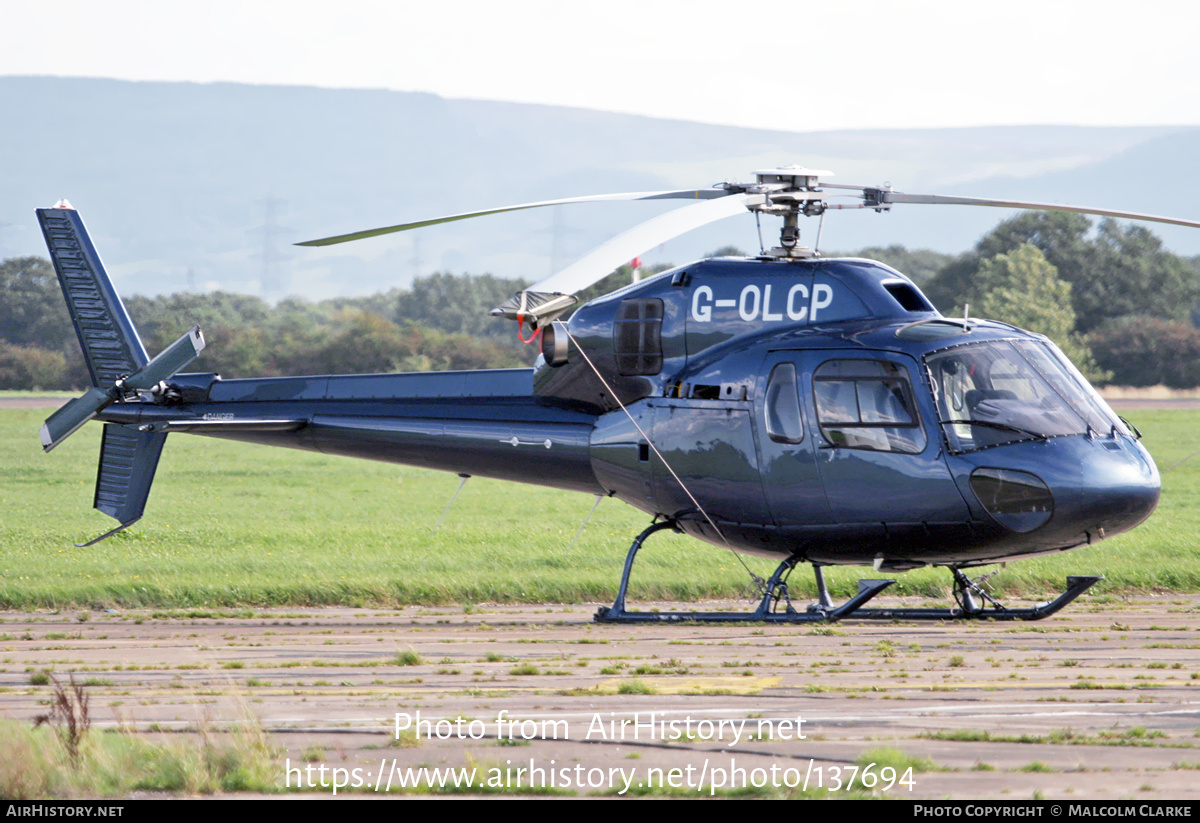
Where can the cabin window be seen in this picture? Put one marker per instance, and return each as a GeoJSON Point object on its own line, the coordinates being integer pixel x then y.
{"type": "Point", "coordinates": [637, 336]}
{"type": "Point", "coordinates": [867, 404]}
{"type": "Point", "coordinates": [784, 424]}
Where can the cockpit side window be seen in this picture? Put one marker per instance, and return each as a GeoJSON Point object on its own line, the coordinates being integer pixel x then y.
{"type": "Point", "coordinates": [867, 404]}
{"type": "Point", "coordinates": [784, 424]}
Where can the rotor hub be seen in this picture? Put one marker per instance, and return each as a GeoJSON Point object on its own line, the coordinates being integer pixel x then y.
{"type": "Point", "coordinates": [791, 191]}
{"type": "Point", "coordinates": [791, 177]}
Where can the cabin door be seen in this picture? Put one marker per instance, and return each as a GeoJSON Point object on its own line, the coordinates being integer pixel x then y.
{"type": "Point", "coordinates": [877, 446]}
{"type": "Point", "coordinates": [790, 475]}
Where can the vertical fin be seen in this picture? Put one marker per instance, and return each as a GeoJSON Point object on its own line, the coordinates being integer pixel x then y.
{"type": "Point", "coordinates": [114, 354]}
{"type": "Point", "coordinates": [128, 460]}
{"type": "Point", "coordinates": [109, 340]}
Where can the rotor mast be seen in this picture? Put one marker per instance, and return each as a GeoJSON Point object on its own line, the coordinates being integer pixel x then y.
{"type": "Point", "coordinates": [791, 191]}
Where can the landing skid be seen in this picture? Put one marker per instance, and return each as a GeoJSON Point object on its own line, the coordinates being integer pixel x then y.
{"type": "Point", "coordinates": [775, 593]}
{"type": "Point", "coordinates": [970, 607]}
{"type": "Point", "coordinates": [968, 593]}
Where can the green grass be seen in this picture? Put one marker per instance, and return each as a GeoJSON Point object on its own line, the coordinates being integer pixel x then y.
{"type": "Point", "coordinates": [635, 686]}
{"type": "Point", "coordinates": [21, 393]}
{"type": "Point", "coordinates": [34, 764]}
{"type": "Point", "coordinates": [899, 760]}
{"type": "Point", "coordinates": [1036, 766]}
{"type": "Point", "coordinates": [1136, 736]}
{"type": "Point", "coordinates": [235, 525]}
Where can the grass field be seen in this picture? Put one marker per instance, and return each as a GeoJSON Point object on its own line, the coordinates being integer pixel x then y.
{"type": "Point", "coordinates": [238, 525]}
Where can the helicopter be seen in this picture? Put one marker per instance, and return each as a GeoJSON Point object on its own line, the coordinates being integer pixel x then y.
{"type": "Point", "coordinates": [807, 409]}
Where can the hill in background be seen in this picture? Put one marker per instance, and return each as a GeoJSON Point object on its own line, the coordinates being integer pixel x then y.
{"type": "Point", "coordinates": [199, 187]}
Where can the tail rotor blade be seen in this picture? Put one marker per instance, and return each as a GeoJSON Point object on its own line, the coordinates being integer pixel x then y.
{"type": "Point", "coordinates": [174, 358]}
{"type": "Point", "coordinates": [64, 422]}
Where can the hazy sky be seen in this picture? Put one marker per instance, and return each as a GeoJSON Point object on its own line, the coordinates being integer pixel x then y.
{"type": "Point", "coordinates": [786, 64]}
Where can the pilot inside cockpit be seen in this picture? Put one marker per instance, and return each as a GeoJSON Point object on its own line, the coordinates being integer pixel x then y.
{"type": "Point", "coordinates": [1005, 391]}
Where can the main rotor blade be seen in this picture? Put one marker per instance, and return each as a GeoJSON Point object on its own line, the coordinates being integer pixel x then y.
{"type": "Point", "coordinates": [600, 262]}
{"type": "Point", "coordinates": [679, 194]}
{"type": "Point", "coordinates": [886, 196]}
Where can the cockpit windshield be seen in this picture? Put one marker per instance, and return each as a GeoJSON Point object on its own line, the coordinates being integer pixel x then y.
{"type": "Point", "coordinates": [1007, 391]}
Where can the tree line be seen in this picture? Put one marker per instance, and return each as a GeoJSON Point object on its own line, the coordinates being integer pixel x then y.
{"type": "Point", "coordinates": [1118, 303]}
{"type": "Point", "coordinates": [440, 323]}
{"type": "Point", "coordinates": [1121, 306]}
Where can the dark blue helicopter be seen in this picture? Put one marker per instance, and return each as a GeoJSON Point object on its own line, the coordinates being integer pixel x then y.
{"type": "Point", "coordinates": [815, 410]}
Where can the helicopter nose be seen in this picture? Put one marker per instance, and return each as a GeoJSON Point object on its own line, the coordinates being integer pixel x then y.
{"type": "Point", "coordinates": [1084, 490]}
{"type": "Point", "coordinates": [1120, 488]}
